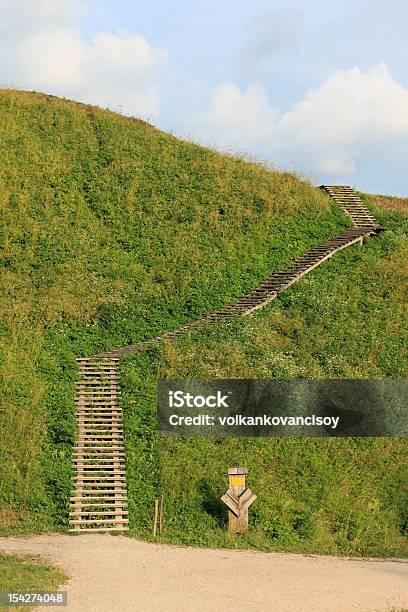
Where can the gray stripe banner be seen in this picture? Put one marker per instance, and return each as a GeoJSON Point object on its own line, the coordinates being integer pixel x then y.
{"type": "Point", "coordinates": [297, 408]}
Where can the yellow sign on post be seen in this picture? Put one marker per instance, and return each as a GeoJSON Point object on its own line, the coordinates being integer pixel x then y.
{"type": "Point", "coordinates": [237, 481]}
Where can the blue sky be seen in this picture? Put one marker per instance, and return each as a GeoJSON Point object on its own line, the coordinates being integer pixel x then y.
{"type": "Point", "coordinates": [316, 87]}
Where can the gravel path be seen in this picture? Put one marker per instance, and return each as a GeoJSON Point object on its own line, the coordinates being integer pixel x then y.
{"type": "Point", "coordinates": [116, 573]}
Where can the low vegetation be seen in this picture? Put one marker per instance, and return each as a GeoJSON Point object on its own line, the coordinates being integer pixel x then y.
{"type": "Point", "coordinates": [114, 232]}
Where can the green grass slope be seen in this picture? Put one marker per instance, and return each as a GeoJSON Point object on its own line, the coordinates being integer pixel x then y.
{"type": "Point", "coordinates": [114, 231]}
{"type": "Point", "coordinates": [346, 319]}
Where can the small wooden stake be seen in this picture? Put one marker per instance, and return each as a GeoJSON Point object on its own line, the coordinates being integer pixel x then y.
{"type": "Point", "coordinates": [156, 512]}
{"type": "Point", "coordinates": [161, 515]}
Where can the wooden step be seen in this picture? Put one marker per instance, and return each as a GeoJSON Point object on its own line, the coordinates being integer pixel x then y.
{"type": "Point", "coordinates": [103, 419]}
{"type": "Point", "coordinates": [117, 512]}
{"type": "Point", "coordinates": [94, 438]}
{"type": "Point", "coordinates": [115, 521]}
{"type": "Point", "coordinates": [119, 490]}
{"type": "Point", "coordinates": [99, 457]}
{"type": "Point", "coordinates": [94, 396]}
{"type": "Point", "coordinates": [113, 483]}
{"type": "Point", "coordinates": [103, 425]}
{"type": "Point", "coordinates": [88, 404]}
{"type": "Point", "coordinates": [92, 393]}
{"type": "Point", "coordinates": [98, 492]}
{"type": "Point", "coordinates": [111, 465]}
{"type": "Point", "coordinates": [111, 486]}
{"type": "Point", "coordinates": [95, 434]}
{"type": "Point", "coordinates": [107, 406]}
{"type": "Point", "coordinates": [99, 477]}
{"type": "Point", "coordinates": [95, 473]}
{"type": "Point", "coordinates": [112, 443]}
{"type": "Point", "coordinates": [90, 431]}
{"type": "Point", "coordinates": [89, 413]}
{"type": "Point", "coordinates": [102, 450]}
{"type": "Point", "coordinates": [81, 464]}
{"type": "Point", "coordinates": [98, 425]}
{"type": "Point", "coordinates": [102, 379]}
{"type": "Point", "coordinates": [95, 359]}
{"type": "Point", "coordinates": [99, 530]}
{"type": "Point", "coordinates": [114, 499]}
{"type": "Point", "coordinates": [87, 388]}
{"type": "Point", "coordinates": [79, 452]}
{"type": "Point", "coordinates": [120, 507]}
{"type": "Point", "coordinates": [102, 507]}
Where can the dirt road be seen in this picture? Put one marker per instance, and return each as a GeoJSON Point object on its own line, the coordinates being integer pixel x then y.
{"type": "Point", "coordinates": [118, 574]}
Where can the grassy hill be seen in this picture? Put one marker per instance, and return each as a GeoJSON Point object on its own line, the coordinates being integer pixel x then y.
{"type": "Point", "coordinates": [115, 231]}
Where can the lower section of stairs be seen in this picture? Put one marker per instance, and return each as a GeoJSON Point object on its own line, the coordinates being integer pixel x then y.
{"type": "Point", "coordinates": [99, 500]}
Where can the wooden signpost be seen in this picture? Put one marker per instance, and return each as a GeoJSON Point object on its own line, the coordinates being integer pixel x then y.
{"type": "Point", "coordinates": [238, 498]}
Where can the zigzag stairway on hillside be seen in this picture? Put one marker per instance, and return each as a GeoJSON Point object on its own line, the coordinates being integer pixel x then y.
{"type": "Point", "coordinates": [99, 501]}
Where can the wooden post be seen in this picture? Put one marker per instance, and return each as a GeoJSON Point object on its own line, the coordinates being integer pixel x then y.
{"type": "Point", "coordinates": [156, 512]}
{"type": "Point", "coordinates": [238, 499]}
{"type": "Point", "coordinates": [161, 515]}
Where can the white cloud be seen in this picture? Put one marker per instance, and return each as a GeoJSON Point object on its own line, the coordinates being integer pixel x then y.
{"type": "Point", "coordinates": [239, 117]}
{"type": "Point", "coordinates": [52, 60]}
{"type": "Point", "coordinates": [348, 115]}
{"type": "Point", "coordinates": [48, 53]}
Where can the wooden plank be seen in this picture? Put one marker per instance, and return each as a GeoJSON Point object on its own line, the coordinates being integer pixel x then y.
{"type": "Point", "coordinates": [231, 503]}
{"type": "Point", "coordinates": [103, 419]}
{"type": "Point", "coordinates": [99, 434]}
{"type": "Point", "coordinates": [113, 499]}
{"type": "Point", "coordinates": [98, 521]}
{"type": "Point", "coordinates": [107, 460]}
{"type": "Point", "coordinates": [99, 480]}
{"type": "Point", "coordinates": [103, 436]}
{"type": "Point", "coordinates": [86, 450]}
{"type": "Point", "coordinates": [78, 453]}
{"type": "Point", "coordinates": [97, 469]}
{"type": "Point", "coordinates": [99, 530]}
{"type": "Point", "coordinates": [120, 490]}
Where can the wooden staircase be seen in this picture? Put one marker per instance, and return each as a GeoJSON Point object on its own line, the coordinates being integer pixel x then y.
{"type": "Point", "coordinates": [352, 205]}
{"type": "Point", "coordinates": [99, 501]}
